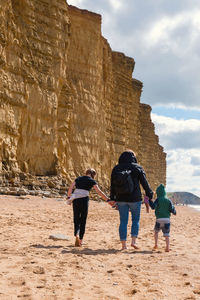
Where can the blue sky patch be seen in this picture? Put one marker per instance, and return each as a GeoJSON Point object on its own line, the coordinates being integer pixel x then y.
{"type": "Point", "coordinates": [176, 113]}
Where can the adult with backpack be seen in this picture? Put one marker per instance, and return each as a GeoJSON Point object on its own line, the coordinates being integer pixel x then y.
{"type": "Point", "coordinates": [126, 178]}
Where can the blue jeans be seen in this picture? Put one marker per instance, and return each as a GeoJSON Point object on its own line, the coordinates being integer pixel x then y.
{"type": "Point", "coordinates": [135, 208]}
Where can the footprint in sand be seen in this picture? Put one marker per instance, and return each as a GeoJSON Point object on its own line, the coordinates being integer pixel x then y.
{"type": "Point", "coordinates": [129, 266]}
{"type": "Point", "coordinates": [38, 270]}
{"type": "Point", "coordinates": [109, 297]}
{"type": "Point", "coordinates": [196, 291]}
{"type": "Point", "coordinates": [25, 296]}
{"type": "Point", "coordinates": [17, 281]}
{"type": "Point", "coordinates": [110, 271]}
{"type": "Point", "coordinates": [25, 293]}
{"type": "Point", "coordinates": [151, 290]}
{"type": "Point", "coordinates": [134, 291]}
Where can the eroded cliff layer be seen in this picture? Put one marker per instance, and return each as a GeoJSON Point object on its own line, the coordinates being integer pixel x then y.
{"type": "Point", "coordinates": [67, 101]}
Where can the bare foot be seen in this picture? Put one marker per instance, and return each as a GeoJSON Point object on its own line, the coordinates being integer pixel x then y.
{"type": "Point", "coordinates": [134, 246]}
{"type": "Point", "coordinates": [166, 249]}
{"type": "Point", "coordinates": [124, 248]}
{"type": "Point", "coordinates": [80, 243]}
{"type": "Point", "coordinates": [77, 242]}
{"type": "Point", "coordinates": [124, 245]}
{"type": "Point", "coordinates": [155, 247]}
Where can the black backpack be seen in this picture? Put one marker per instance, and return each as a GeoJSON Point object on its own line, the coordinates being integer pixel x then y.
{"type": "Point", "coordinates": [123, 182]}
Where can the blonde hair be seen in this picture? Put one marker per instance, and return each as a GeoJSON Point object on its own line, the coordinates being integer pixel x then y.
{"type": "Point", "coordinates": [91, 172]}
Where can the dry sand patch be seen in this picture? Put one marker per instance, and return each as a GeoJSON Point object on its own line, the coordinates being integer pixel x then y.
{"type": "Point", "coordinates": [32, 266]}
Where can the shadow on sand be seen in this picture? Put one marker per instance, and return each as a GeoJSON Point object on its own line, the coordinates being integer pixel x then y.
{"type": "Point", "coordinates": [88, 251]}
{"type": "Point", "coordinates": [142, 252]}
{"type": "Point", "coordinates": [39, 246]}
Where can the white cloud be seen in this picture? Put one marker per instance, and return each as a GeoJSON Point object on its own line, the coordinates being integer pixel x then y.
{"type": "Point", "coordinates": [116, 4]}
{"type": "Point", "coordinates": [75, 2]}
{"type": "Point", "coordinates": [167, 125]}
{"type": "Point", "coordinates": [181, 174]}
{"type": "Point", "coordinates": [164, 29]}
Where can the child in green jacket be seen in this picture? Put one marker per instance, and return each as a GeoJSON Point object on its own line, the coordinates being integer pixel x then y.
{"type": "Point", "coordinates": [163, 209]}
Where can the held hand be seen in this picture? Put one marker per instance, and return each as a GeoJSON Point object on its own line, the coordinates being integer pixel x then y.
{"type": "Point", "coordinates": [69, 202]}
{"type": "Point", "coordinates": [146, 202]}
{"type": "Point", "coordinates": [146, 199]}
{"type": "Point", "coordinates": [147, 207]}
{"type": "Point", "coordinates": [111, 203]}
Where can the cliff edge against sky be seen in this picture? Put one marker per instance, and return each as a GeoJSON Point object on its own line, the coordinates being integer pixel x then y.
{"type": "Point", "coordinates": [67, 101]}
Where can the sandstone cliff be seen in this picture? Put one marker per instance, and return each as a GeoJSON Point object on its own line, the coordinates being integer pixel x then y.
{"type": "Point", "coordinates": [67, 101]}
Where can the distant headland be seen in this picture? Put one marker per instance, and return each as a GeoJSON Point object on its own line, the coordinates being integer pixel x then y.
{"type": "Point", "coordinates": [184, 198]}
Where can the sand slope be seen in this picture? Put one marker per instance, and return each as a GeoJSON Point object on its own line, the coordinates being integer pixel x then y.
{"type": "Point", "coordinates": [35, 267]}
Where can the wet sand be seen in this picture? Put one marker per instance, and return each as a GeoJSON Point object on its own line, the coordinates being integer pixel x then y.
{"type": "Point", "coordinates": [32, 266]}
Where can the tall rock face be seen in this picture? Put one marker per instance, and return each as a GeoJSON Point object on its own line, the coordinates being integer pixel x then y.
{"type": "Point", "coordinates": [67, 101]}
{"type": "Point", "coordinates": [33, 48]}
{"type": "Point", "coordinates": [151, 154]}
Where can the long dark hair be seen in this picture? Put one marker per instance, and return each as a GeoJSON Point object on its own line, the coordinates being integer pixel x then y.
{"type": "Point", "coordinates": [127, 157]}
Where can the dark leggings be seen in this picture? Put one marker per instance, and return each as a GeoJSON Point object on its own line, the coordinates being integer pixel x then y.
{"type": "Point", "coordinates": [80, 209]}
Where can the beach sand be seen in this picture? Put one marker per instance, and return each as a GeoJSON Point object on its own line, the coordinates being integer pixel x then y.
{"type": "Point", "coordinates": [32, 266]}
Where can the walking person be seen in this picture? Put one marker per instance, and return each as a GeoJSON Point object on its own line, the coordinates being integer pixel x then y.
{"type": "Point", "coordinates": [80, 200]}
{"type": "Point", "coordinates": [163, 209]}
{"type": "Point", "coordinates": [126, 178]}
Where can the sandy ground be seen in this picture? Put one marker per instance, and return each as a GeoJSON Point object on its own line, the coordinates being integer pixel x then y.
{"type": "Point", "coordinates": [32, 266]}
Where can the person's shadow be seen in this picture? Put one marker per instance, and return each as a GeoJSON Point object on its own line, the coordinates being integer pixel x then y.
{"type": "Point", "coordinates": [142, 252]}
{"type": "Point", "coordinates": [88, 251]}
{"type": "Point", "coordinates": [39, 246]}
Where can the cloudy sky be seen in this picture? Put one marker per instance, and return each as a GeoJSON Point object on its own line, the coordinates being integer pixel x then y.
{"type": "Point", "coordinates": [163, 36]}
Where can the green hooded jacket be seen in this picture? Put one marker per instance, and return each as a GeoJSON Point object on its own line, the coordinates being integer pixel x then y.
{"type": "Point", "coordinates": [162, 205]}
